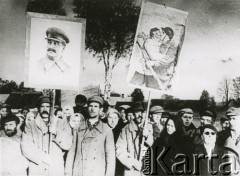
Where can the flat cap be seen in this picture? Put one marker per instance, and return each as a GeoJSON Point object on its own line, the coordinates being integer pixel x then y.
{"type": "Point", "coordinates": [124, 107]}
{"type": "Point", "coordinates": [223, 119]}
{"type": "Point", "coordinates": [232, 112]}
{"type": "Point", "coordinates": [129, 110]}
{"type": "Point", "coordinates": [7, 106]}
{"type": "Point", "coordinates": [138, 106]}
{"type": "Point", "coordinates": [156, 109]}
{"type": "Point", "coordinates": [208, 126]}
{"type": "Point", "coordinates": [186, 111]}
{"type": "Point", "coordinates": [209, 113]}
{"type": "Point", "coordinates": [96, 99]}
{"type": "Point", "coordinates": [43, 99]}
{"type": "Point", "coordinates": [57, 34]}
{"type": "Point", "coordinates": [10, 117]}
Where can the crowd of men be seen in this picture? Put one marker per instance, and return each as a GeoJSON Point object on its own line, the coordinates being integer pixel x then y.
{"type": "Point", "coordinates": [95, 139]}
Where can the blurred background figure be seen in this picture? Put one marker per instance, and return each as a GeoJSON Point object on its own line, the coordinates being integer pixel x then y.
{"type": "Point", "coordinates": [58, 113]}
{"type": "Point", "coordinates": [81, 105]}
{"type": "Point", "coordinates": [30, 117]}
{"type": "Point", "coordinates": [209, 148]}
{"type": "Point", "coordinates": [122, 114]}
{"type": "Point", "coordinates": [24, 111]}
{"type": "Point", "coordinates": [67, 112]}
{"type": "Point", "coordinates": [5, 110]}
{"type": "Point", "coordinates": [75, 120]}
{"type": "Point", "coordinates": [155, 114]}
{"type": "Point", "coordinates": [112, 116]}
{"type": "Point", "coordinates": [225, 133]}
{"type": "Point", "coordinates": [103, 111]}
{"type": "Point", "coordinates": [129, 114]}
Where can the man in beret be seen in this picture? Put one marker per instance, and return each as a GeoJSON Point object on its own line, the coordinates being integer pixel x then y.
{"type": "Point", "coordinates": [232, 144]}
{"type": "Point", "coordinates": [93, 152]}
{"type": "Point", "coordinates": [128, 146]}
{"type": "Point", "coordinates": [12, 160]}
{"type": "Point", "coordinates": [155, 114]}
{"type": "Point", "coordinates": [43, 140]}
{"type": "Point", "coordinates": [187, 117]}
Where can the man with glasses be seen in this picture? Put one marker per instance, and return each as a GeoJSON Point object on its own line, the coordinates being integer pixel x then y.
{"type": "Point", "coordinates": [209, 154]}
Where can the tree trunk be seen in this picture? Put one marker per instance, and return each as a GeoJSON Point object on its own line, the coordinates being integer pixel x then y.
{"type": "Point", "coordinates": [108, 80]}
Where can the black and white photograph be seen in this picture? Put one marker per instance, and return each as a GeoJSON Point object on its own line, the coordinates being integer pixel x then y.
{"type": "Point", "coordinates": [55, 49]}
{"type": "Point", "coordinates": [119, 88]}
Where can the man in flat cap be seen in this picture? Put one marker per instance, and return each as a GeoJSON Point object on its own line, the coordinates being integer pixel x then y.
{"type": "Point", "coordinates": [128, 146]}
{"type": "Point", "coordinates": [12, 161]}
{"type": "Point", "coordinates": [232, 144]}
{"type": "Point", "coordinates": [187, 117]}
{"type": "Point", "coordinates": [155, 114]}
{"type": "Point", "coordinates": [93, 152]}
{"type": "Point", "coordinates": [46, 156]}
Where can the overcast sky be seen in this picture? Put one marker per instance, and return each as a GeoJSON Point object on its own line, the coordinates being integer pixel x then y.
{"type": "Point", "coordinates": [212, 37]}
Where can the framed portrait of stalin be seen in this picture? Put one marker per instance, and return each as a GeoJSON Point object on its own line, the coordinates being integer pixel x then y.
{"type": "Point", "coordinates": [54, 51]}
{"type": "Point", "coordinates": [158, 41]}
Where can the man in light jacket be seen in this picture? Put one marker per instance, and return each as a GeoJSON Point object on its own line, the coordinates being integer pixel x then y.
{"type": "Point", "coordinates": [45, 156]}
{"type": "Point", "coordinates": [128, 146]}
{"type": "Point", "coordinates": [93, 151]}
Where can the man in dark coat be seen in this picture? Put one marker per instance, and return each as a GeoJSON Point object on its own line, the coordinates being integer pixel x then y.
{"type": "Point", "coordinates": [187, 117]}
{"type": "Point", "coordinates": [211, 155]}
{"type": "Point", "coordinates": [225, 133]}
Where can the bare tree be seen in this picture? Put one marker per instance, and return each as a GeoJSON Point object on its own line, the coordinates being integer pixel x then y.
{"type": "Point", "coordinates": [236, 88]}
{"type": "Point", "coordinates": [225, 90]}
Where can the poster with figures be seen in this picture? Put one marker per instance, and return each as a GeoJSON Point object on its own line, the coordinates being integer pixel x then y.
{"type": "Point", "coordinates": [54, 50]}
{"type": "Point", "coordinates": [158, 41]}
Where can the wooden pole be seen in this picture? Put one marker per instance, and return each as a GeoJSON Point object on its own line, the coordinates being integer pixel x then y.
{"type": "Point", "coordinates": [52, 120]}
{"type": "Point", "coordinates": [145, 125]}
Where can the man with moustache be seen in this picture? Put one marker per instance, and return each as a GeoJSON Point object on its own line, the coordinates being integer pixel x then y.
{"type": "Point", "coordinates": [12, 161]}
{"type": "Point", "coordinates": [46, 156]}
{"type": "Point", "coordinates": [93, 151]}
{"type": "Point", "coordinates": [128, 146]}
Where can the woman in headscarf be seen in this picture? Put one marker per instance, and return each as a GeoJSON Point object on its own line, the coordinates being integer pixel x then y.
{"type": "Point", "coordinates": [173, 141]}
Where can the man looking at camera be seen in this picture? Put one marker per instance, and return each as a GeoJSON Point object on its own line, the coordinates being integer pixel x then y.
{"type": "Point", "coordinates": [45, 156]}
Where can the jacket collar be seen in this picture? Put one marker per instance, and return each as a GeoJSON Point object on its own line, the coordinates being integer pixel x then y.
{"type": "Point", "coordinates": [84, 126]}
{"type": "Point", "coordinates": [49, 64]}
{"type": "Point", "coordinates": [40, 124]}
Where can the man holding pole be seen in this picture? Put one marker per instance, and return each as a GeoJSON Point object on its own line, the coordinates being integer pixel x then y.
{"type": "Point", "coordinates": [128, 146]}
{"type": "Point", "coordinates": [44, 139]}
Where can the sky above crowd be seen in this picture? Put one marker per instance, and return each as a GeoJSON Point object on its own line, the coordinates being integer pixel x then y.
{"type": "Point", "coordinates": [210, 50]}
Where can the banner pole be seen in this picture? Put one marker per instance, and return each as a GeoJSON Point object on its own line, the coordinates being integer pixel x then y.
{"type": "Point", "coordinates": [145, 125]}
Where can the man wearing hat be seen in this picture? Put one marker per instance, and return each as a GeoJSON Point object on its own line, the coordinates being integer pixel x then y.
{"type": "Point", "coordinates": [232, 144]}
{"type": "Point", "coordinates": [155, 115]}
{"type": "Point", "coordinates": [53, 63]}
{"type": "Point", "coordinates": [128, 146]}
{"type": "Point", "coordinates": [211, 154]}
{"type": "Point", "coordinates": [207, 116]}
{"type": "Point", "coordinates": [225, 133]}
{"type": "Point", "coordinates": [187, 117]}
{"type": "Point", "coordinates": [12, 160]}
{"type": "Point", "coordinates": [44, 139]}
{"type": "Point", "coordinates": [93, 152]}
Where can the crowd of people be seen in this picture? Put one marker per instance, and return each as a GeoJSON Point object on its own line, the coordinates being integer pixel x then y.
{"type": "Point", "coordinates": [95, 139]}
